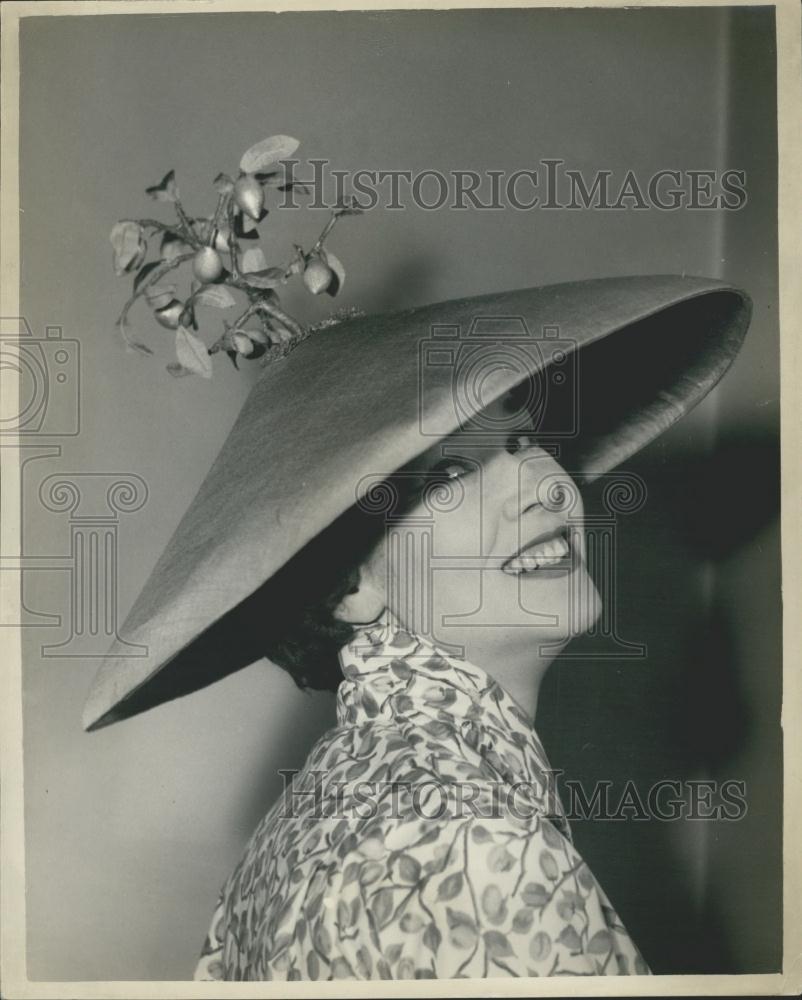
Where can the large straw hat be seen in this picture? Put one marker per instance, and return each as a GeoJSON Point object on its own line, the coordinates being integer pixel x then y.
{"type": "Point", "coordinates": [616, 361]}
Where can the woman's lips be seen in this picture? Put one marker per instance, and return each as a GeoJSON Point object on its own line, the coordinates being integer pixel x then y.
{"type": "Point", "coordinates": [551, 552]}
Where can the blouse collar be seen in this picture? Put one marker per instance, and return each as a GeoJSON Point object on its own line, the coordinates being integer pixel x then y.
{"type": "Point", "coordinates": [390, 673]}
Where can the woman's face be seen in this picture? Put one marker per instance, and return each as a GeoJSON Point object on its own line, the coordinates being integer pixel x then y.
{"type": "Point", "coordinates": [491, 558]}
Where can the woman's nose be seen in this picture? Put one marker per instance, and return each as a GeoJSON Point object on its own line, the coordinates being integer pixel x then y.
{"type": "Point", "coordinates": [533, 478]}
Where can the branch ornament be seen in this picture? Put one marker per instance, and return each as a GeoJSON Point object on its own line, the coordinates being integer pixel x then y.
{"type": "Point", "coordinates": [210, 248]}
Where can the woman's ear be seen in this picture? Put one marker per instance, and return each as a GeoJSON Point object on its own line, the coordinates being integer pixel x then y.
{"type": "Point", "coordinates": [362, 604]}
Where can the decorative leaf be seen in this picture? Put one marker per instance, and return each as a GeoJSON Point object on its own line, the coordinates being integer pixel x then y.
{"type": "Point", "coordinates": [411, 923]}
{"type": "Point", "coordinates": [548, 865]}
{"type": "Point", "coordinates": [371, 871]}
{"type": "Point", "coordinates": [253, 260]}
{"type": "Point", "coordinates": [462, 928]}
{"type": "Point", "coordinates": [569, 937]}
{"type": "Point", "coordinates": [432, 937]}
{"type": "Point", "coordinates": [409, 868]}
{"type": "Point", "coordinates": [406, 968]}
{"type": "Point", "coordinates": [450, 886]}
{"type": "Point", "coordinates": [266, 152]}
{"type": "Point", "coordinates": [202, 227]}
{"type": "Point", "coordinates": [401, 669]}
{"type": "Point", "coordinates": [535, 894]}
{"type": "Point", "coordinates": [245, 227]}
{"type": "Point", "coordinates": [540, 946]}
{"type": "Point", "coordinates": [242, 343]}
{"type": "Point", "coordinates": [356, 770]}
{"type": "Point", "coordinates": [480, 834]}
{"type": "Point", "coordinates": [500, 859]}
{"type": "Point", "coordinates": [281, 944]}
{"type": "Point", "coordinates": [265, 280]}
{"type": "Point", "coordinates": [143, 272]}
{"type": "Point", "coordinates": [217, 296]}
{"type": "Point", "coordinates": [177, 370]}
{"type": "Point", "coordinates": [383, 906]}
{"type": "Point", "coordinates": [550, 835]}
{"type": "Point", "coordinates": [166, 189]}
{"type": "Point", "coordinates": [351, 872]}
{"type": "Point", "coordinates": [173, 246]}
{"type": "Point", "coordinates": [223, 184]}
{"type": "Point", "coordinates": [248, 222]}
{"type": "Point", "coordinates": [493, 903]}
{"type": "Point", "coordinates": [600, 943]}
{"type": "Point", "coordinates": [192, 353]}
{"type": "Point", "coordinates": [567, 906]}
{"type": "Point", "coordinates": [585, 877]}
{"type": "Point", "coordinates": [128, 242]}
{"type": "Point", "coordinates": [369, 704]}
{"type": "Point", "coordinates": [522, 921]}
{"type": "Point", "coordinates": [497, 944]}
{"type": "Point", "coordinates": [364, 963]}
{"type": "Point", "coordinates": [188, 316]}
{"type": "Point", "coordinates": [343, 915]}
{"type": "Point", "coordinates": [159, 296]}
{"type": "Point", "coordinates": [439, 730]}
{"type": "Point", "coordinates": [321, 937]}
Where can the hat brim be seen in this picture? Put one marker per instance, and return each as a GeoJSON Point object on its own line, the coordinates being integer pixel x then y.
{"type": "Point", "coordinates": [362, 398]}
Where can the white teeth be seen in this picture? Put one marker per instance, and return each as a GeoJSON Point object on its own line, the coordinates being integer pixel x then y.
{"type": "Point", "coordinates": [544, 555]}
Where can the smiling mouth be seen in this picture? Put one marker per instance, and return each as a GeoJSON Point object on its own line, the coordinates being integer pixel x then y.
{"type": "Point", "coordinates": [550, 551]}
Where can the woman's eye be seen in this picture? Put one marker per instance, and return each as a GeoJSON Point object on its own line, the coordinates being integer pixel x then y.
{"type": "Point", "coordinates": [450, 468]}
{"type": "Point", "coordinates": [520, 442]}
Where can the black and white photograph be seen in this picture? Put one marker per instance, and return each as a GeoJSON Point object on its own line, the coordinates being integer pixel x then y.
{"type": "Point", "coordinates": [400, 566]}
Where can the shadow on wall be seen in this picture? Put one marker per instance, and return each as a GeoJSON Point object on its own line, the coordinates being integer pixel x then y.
{"type": "Point", "coordinates": [314, 715]}
{"type": "Point", "coordinates": [413, 280]}
{"type": "Point", "coordinates": [682, 713]}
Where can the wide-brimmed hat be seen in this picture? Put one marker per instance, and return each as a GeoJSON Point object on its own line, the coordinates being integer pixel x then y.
{"type": "Point", "coordinates": [614, 362]}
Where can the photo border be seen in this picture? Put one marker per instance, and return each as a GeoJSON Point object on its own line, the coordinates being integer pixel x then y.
{"type": "Point", "coordinates": [12, 886]}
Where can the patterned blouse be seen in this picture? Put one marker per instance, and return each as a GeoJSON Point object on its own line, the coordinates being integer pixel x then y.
{"type": "Point", "coordinates": [422, 839]}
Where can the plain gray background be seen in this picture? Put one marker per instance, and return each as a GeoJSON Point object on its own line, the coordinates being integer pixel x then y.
{"type": "Point", "coordinates": [131, 831]}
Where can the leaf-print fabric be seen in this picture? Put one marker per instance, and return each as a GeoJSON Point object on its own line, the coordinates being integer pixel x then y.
{"type": "Point", "coordinates": [422, 839]}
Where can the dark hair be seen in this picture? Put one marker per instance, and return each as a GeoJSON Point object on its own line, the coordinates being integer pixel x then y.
{"type": "Point", "coordinates": [303, 596]}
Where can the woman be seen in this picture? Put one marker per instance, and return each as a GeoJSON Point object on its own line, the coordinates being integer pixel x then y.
{"type": "Point", "coordinates": [421, 552]}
